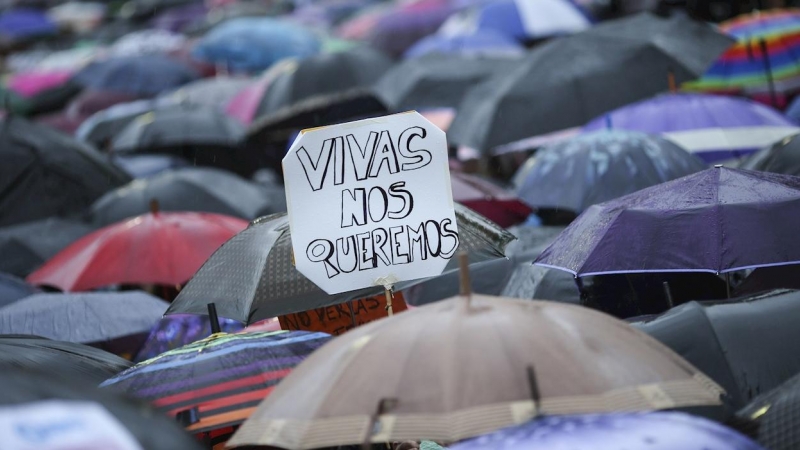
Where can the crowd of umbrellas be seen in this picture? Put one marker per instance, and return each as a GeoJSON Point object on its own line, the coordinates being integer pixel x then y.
{"type": "Point", "coordinates": [627, 185]}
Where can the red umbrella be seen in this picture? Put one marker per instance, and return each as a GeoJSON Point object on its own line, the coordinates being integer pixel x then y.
{"type": "Point", "coordinates": [488, 199]}
{"type": "Point", "coordinates": [155, 248]}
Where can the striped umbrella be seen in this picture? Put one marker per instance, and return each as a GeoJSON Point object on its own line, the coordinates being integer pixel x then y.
{"type": "Point", "coordinates": [744, 65]}
{"type": "Point", "coordinates": [217, 382]}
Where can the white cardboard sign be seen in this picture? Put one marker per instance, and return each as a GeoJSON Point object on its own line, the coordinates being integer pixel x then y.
{"type": "Point", "coordinates": [370, 202]}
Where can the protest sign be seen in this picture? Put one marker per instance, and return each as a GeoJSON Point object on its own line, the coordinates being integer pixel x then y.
{"type": "Point", "coordinates": [338, 319]}
{"type": "Point", "coordinates": [370, 202]}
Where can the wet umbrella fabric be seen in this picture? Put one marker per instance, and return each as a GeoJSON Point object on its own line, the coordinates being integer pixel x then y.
{"type": "Point", "coordinates": [478, 355]}
{"type": "Point", "coordinates": [435, 81]}
{"type": "Point", "coordinates": [145, 76]}
{"type": "Point", "coordinates": [597, 167]}
{"type": "Point", "coordinates": [45, 173]}
{"type": "Point", "coordinates": [223, 378]}
{"type": "Point", "coordinates": [151, 430]}
{"type": "Point", "coordinates": [775, 416]}
{"type": "Point", "coordinates": [654, 431]}
{"type": "Point", "coordinates": [23, 23]}
{"type": "Point", "coordinates": [82, 318]}
{"type": "Point", "coordinates": [189, 189]}
{"type": "Point", "coordinates": [323, 74]}
{"type": "Point", "coordinates": [781, 157]}
{"type": "Point", "coordinates": [249, 277]}
{"type": "Point", "coordinates": [68, 359]}
{"type": "Point", "coordinates": [143, 166]}
{"type": "Point", "coordinates": [101, 127]}
{"type": "Point", "coordinates": [733, 342]}
{"type": "Point", "coordinates": [488, 199]}
{"type": "Point", "coordinates": [83, 106]}
{"type": "Point", "coordinates": [718, 220]}
{"type": "Point", "coordinates": [177, 330]}
{"type": "Point", "coordinates": [13, 289]}
{"type": "Point", "coordinates": [485, 43]}
{"type": "Point", "coordinates": [210, 92]}
{"type": "Point", "coordinates": [594, 76]}
{"type": "Point", "coordinates": [250, 44]}
{"type": "Point", "coordinates": [25, 247]}
{"type": "Point", "coordinates": [155, 248]}
{"type": "Point", "coordinates": [531, 282]}
{"type": "Point", "coordinates": [713, 127]}
{"type": "Point", "coordinates": [401, 27]}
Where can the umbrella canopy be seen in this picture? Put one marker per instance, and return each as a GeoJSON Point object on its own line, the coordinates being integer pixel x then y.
{"type": "Point", "coordinates": [221, 378]}
{"type": "Point", "coordinates": [188, 189]}
{"type": "Point", "coordinates": [775, 416]}
{"type": "Point", "coordinates": [602, 166]}
{"type": "Point", "coordinates": [22, 23]}
{"type": "Point", "coordinates": [478, 43]}
{"type": "Point", "coordinates": [523, 20]}
{"type": "Point", "coordinates": [530, 282]}
{"type": "Point", "coordinates": [177, 330]}
{"type": "Point", "coordinates": [83, 318]}
{"type": "Point", "coordinates": [250, 276]}
{"type": "Point", "coordinates": [610, 65]}
{"type": "Point", "coordinates": [781, 157]}
{"type": "Point", "coordinates": [154, 248]}
{"type": "Point", "coordinates": [209, 92]}
{"type": "Point", "coordinates": [323, 74]}
{"type": "Point", "coordinates": [146, 42]}
{"type": "Point", "coordinates": [45, 173]}
{"type": "Point", "coordinates": [81, 107]}
{"type": "Point", "coordinates": [250, 44]}
{"type": "Point", "coordinates": [435, 81]}
{"type": "Point", "coordinates": [488, 199]}
{"type": "Point", "coordinates": [145, 76]}
{"type": "Point", "coordinates": [744, 65]}
{"type": "Point", "coordinates": [653, 431]}
{"type": "Point", "coordinates": [27, 246]}
{"type": "Point", "coordinates": [33, 82]}
{"type": "Point", "coordinates": [202, 136]}
{"type": "Point", "coordinates": [179, 18]}
{"type": "Point", "coordinates": [68, 359]}
{"type": "Point", "coordinates": [733, 342]}
{"type": "Point", "coordinates": [143, 166]}
{"type": "Point", "coordinates": [400, 27]}
{"type": "Point", "coordinates": [486, 363]}
{"type": "Point", "coordinates": [23, 388]}
{"type": "Point", "coordinates": [13, 289]}
{"type": "Point", "coordinates": [713, 127]}
{"type": "Point", "coordinates": [101, 127]}
{"type": "Point", "coordinates": [718, 220]}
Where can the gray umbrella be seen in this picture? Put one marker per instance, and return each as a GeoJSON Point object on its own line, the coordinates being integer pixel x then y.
{"type": "Point", "coordinates": [252, 277]}
{"type": "Point", "coordinates": [82, 318]}
{"type": "Point", "coordinates": [209, 92]}
{"type": "Point", "coordinates": [436, 81]}
{"type": "Point", "coordinates": [189, 189]}
{"type": "Point", "coordinates": [27, 246]}
{"type": "Point", "coordinates": [568, 81]}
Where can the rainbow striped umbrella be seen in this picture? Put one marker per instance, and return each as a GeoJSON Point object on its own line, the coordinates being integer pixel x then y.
{"type": "Point", "coordinates": [743, 67]}
{"type": "Point", "coordinates": [217, 382]}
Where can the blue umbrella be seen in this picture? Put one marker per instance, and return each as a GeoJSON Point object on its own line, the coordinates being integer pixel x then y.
{"type": "Point", "coordinates": [145, 76]}
{"type": "Point", "coordinates": [25, 23]}
{"type": "Point", "coordinates": [252, 44]}
{"type": "Point", "coordinates": [485, 42]}
{"type": "Point", "coordinates": [13, 289]}
{"type": "Point", "coordinates": [651, 431]}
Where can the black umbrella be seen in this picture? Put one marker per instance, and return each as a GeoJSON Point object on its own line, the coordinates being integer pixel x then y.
{"type": "Point", "coordinates": [488, 277]}
{"type": "Point", "coordinates": [202, 136]}
{"type": "Point", "coordinates": [773, 418]}
{"type": "Point", "coordinates": [188, 189]}
{"type": "Point", "coordinates": [252, 277]}
{"type": "Point", "coordinates": [782, 157]}
{"type": "Point", "coordinates": [48, 100]}
{"type": "Point", "coordinates": [94, 318]}
{"type": "Point", "coordinates": [13, 289]}
{"type": "Point", "coordinates": [144, 75]}
{"type": "Point", "coordinates": [541, 283]}
{"type": "Point", "coordinates": [436, 81]}
{"type": "Point", "coordinates": [601, 166]}
{"type": "Point", "coordinates": [569, 81]}
{"type": "Point", "coordinates": [269, 137]}
{"type": "Point", "coordinates": [73, 361]}
{"type": "Point", "coordinates": [151, 429]}
{"type": "Point", "coordinates": [27, 246]}
{"type": "Point", "coordinates": [736, 343]}
{"type": "Point", "coordinates": [45, 173]}
{"type": "Point", "coordinates": [326, 73]}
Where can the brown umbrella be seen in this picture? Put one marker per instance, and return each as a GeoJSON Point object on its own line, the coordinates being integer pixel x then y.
{"type": "Point", "coordinates": [460, 368]}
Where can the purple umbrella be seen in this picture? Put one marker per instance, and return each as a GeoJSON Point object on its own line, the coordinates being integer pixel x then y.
{"type": "Point", "coordinates": [718, 220]}
{"type": "Point", "coordinates": [714, 127]}
{"type": "Point", "coordinates": [486, 42]}
{"type": "Point", "coordinates": [397, 32]}
{"type": "Point", "coordinates": [180, 17]}
{"type": "Point", "coordinates": [640, 431]}
{"type": "Point", "coordinates": [179, 330]}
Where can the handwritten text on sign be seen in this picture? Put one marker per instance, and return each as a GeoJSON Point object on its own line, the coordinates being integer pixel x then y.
{"type": "Point", "coordinates": [340, 318]}
{"type": "Point", "coordinates": [370, 200]}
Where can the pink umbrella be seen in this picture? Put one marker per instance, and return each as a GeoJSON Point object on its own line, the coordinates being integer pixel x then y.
{"type": "Point", "coordinates": [31, 83]}
{"type": "Point", "coordinates": [244, 106]}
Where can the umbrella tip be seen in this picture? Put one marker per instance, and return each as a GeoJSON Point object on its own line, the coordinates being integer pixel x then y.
{"type": "Point", "coordinates": [154, 206]}
{"type": "Point", "coordinates": [463, 270]}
